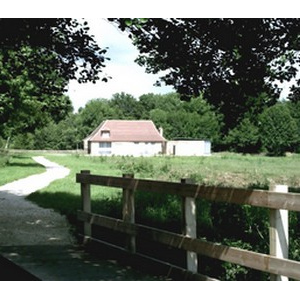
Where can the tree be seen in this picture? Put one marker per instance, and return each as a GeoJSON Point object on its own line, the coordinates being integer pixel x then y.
{"type": "Point", "coordinates": [74, 53]}
{"type": "Point", "coordinates": [231, 61]}
{"type": "Point", "coordinates": [62, 136]}
{"type": "Point", "coordinates": [25, 103]}
{"type": "Point", "coordinates": [245, 137]}
{"type": "Point", "coordinates": [127, 105]}
{"type": "Point", "coordinates": [95, 112]}
{"type": "Point", "coordinates": [294, 108]}
{"type": "Point", "coordinates": [195, 119]}
{"type": "Point", "coordinates": [279, 131]}
{"type": "Point", "coordinates": [38, 57]}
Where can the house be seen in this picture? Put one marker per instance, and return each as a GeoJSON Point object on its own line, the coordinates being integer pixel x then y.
{"type": "Point", "coordinates": [188, 148]}
{"type": "Point", "coordinates": [123, 137]}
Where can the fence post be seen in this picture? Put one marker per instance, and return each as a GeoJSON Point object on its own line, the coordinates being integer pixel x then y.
{"type": "Point", "coordinates": [128, 213]}
{"type": "Point", "coordinates": [190, 226]}
{"type": "Point", "coordinates": [86, 204]}
{"type": "Point", "coordinates": [279, 231]}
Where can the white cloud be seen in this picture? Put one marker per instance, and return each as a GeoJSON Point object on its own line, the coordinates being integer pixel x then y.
{"type": "Point", "coordinates": [126, 75]}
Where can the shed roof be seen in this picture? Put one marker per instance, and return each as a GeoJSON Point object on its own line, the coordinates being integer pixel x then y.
{"type": "Point", "coordinates": [126, 131]}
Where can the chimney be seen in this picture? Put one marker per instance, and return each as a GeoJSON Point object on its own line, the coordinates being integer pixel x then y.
{"type": "Point", "coordinates": [161, 131]}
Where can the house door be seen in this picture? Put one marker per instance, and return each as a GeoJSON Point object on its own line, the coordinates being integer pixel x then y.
{"type": "Point", "coordinates": [174, 149]}
{"type": "Point", "coordinates": [89, 147]}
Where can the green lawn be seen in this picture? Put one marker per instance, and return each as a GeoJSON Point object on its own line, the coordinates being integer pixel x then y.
{"type": "Point", "coordinates": [17, 166]}
{"type": "Point", "coordinates": [223, 169]}
{"type": "Point", "coordinates": [222, 222]}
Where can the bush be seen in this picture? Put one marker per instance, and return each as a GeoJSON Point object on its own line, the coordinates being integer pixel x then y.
{"type": "Point", "coordinates": [2, 143]}
{"type": "Point", "coordinates": [4, 158]}
{"type": "Point", "coordinates": [279, 131]}
{"type": "Point", "coordinates": [244, 138]}
{"type": "Point", "coordinates": [23, 141]}
{"type": "Point", "coordinates": [138, 165]}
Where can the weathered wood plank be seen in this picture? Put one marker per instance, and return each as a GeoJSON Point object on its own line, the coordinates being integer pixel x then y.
{"type": "Point", "coordinates": [171, 271]}
{"type": "Point", "coordinates": [85, 189]}
{"type": "Point", "coordinates": [258, 261]}
{"type": "Point", "coordinates": [279, 231]}
{"type": "Point", "coordinates": [190, 227]}
{"type": "Point", "coordinates": [290, 201]}
{"type": "Point", "coordinates": [128, 212]}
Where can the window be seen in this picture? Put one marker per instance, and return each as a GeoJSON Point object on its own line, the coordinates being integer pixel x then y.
{"type": "Point", "coordinates": [105, 145]}
{"type": "Point", "coordinates": [105, 133]}
{"type": "Point", "coordinates": [105, 148]}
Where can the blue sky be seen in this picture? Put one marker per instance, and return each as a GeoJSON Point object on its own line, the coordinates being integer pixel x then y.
{"type": "Point", "coordinates": [126, 75]}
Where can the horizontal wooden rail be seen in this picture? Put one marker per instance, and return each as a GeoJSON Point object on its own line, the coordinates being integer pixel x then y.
{"type": "Point", "coordinates": [168, 269]}
{"type": "Point", "coordinates": [290, 201]}
{"type": "Point", "coordinates": [261, 262]}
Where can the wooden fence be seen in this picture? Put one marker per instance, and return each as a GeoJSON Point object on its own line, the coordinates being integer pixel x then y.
{"type": "Point", "coordinates": [277, 200]}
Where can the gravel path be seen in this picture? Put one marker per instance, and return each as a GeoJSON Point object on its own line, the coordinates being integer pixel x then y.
{"type": "Point", "coordinates": [25, 223]}
{"type": "Point", "coordinates": [39, 240]}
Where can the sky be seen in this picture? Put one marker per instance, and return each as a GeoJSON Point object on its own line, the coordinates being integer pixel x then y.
{"type": "Point", "coordinates": [127, 76]}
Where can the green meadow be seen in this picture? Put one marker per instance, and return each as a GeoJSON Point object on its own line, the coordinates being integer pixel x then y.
{"type": "Point", "coordinates": [224, 169]}
{"type": "Point", "coordinates": [17, 166]}
{"type": "Point", "coordinates": [220, 169]}
{"type": "Point", "coordinates": [240, 226]}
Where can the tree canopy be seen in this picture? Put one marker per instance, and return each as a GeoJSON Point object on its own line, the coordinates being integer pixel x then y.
{"type": "Point", "coordinates": [38, 57]}
{"type": "Point", "coordinates": [231, 61]}
{"type": "Point", "coordinates": [73, 52]}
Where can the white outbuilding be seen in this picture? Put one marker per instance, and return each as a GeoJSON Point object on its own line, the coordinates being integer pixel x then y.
{"type": "Point", "coordinates": [188, 148]}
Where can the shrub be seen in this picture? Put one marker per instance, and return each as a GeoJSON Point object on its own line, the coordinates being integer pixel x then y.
{"type": "Point", "coordinates": [244, 138]}
{"type": "Point", "coordinates": [23, 141]}
{"type": "Point", "coordinates": [138, 165]}
{"type": "Point", "coordinates": [2, 143]}
{"type": "Point", "coordinates": [279, 131]}
{"type": "Point", "coordinates": [4, 158]}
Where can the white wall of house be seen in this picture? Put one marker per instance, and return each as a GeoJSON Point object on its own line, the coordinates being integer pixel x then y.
{"type": "Point", "coordinates": [188, 148]}
{"type": "Point", "coordinates": [126, 148]}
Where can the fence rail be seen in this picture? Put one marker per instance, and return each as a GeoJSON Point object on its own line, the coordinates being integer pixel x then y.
{"type": "Point", "coordinates": [282, 267]}
{"type": "Point", "coordinates": [267, 199]}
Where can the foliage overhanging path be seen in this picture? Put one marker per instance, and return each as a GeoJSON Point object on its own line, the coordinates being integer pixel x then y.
{"type": "Point", "coordinates": [25, 223]}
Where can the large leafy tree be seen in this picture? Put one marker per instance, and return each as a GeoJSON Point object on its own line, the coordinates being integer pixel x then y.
{"type": "Point", "coordinates": [231, 61]}
{"type": "Point", "coordinates": [38, 57]}
{"type": "Point", "coordinates": [25, 104]}
{"type": "Point", "coordinates": [71, 50]}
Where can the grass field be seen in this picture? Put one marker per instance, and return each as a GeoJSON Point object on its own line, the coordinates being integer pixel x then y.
{"type": "Point", "coordinates": [17, 166]}
{"type": "Point", "coordinates": [227, 223]}
{"type": "Point", "coordinates": [223, 169]}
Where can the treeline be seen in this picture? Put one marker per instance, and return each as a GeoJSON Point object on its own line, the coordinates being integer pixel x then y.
{"type": "Point", "coordinates": [274, 131]}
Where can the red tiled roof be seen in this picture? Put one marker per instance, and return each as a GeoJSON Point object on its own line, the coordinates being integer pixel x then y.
{"type": "Point", "coordinates": [127, 131]}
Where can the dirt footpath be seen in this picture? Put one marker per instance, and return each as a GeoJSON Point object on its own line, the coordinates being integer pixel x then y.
{"type": "Point", "coordinates": [25, 223]}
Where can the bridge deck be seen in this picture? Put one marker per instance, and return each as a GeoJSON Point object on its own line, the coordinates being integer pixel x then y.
{"type": "Point", "coordinates": [63, 263]}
